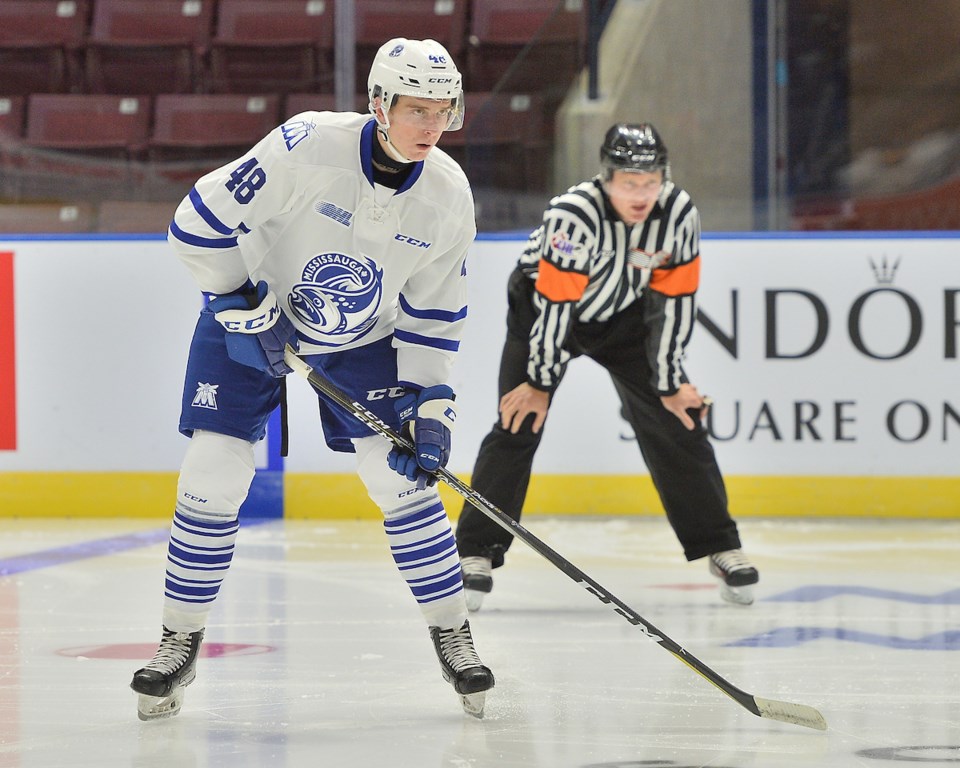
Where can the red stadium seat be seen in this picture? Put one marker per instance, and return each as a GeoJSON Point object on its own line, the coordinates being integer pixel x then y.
{"type": "Point", "coordinates": [378, 21]}
{"type": "Point", "coordinates": [296, 103]}
{"type": "Point", "coordinates": [195, 133]}
{"type": "Point", "coordinates": [147, 46]}
{"type": "Point", "coordinates": [12, 111]}
{"type": "Point", "coordinates": [88, 122]}
{"type": "Point", "coordinates": [213, 120]}
{"type": "Point", "coordinates": [497, 146]}
{"type": "Point", "coordinates": [39, 45]}
{"type": "Point", "coordinates": [276, 46]}
{"type": "Point", "coordinates": [134, 216]}
{"type": "Point", "coordinates": [501, 29]}
{"type": "Point", "coordinates": [80, 145]}
{"type": "Point", "coordinates": [47, 217]}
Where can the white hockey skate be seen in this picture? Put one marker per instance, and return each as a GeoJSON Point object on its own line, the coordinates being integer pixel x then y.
{"type": "Point", "coordinates": [161, 682]}
{"type": "Point", "coordinates": [462, 668]}
{"type": "Point", "coordinates": [737, 575]}
{"type": "Point", "coordinates": [477, 580]}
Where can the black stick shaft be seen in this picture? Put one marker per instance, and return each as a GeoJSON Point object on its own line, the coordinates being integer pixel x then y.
{"type": "Point", "coordinates": [795, 713]}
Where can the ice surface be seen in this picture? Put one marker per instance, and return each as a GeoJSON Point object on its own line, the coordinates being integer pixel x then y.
{"type": "Point", "coordinates": [316, 655]}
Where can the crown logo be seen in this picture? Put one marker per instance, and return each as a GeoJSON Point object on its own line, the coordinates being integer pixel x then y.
{"type": "Point", "coordinates": [885, 271]}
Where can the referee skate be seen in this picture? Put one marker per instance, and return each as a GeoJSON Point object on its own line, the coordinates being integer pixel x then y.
{"type": "Point", "coordinates": [477, 580]}
{"type": "Point", "coordinates": [737, 575]}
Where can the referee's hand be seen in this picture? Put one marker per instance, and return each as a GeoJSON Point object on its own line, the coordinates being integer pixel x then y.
{"type": "Point", "coordinates": [683, 400]}
{"type": "Point", "coordinates": [519, 403]}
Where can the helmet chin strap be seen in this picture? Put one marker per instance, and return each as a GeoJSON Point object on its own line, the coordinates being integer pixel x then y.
{"type": "Point", "coordinates": [389, 146]}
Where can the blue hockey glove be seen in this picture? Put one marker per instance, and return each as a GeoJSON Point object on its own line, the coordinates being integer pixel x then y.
{"type": "Point", "coordinates": [258, 329]}
{"type": "Point", "coordinates": [426, 418]}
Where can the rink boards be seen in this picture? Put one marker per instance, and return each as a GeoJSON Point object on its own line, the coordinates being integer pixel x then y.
{"type": "Point", "coordinates": [832, 361]}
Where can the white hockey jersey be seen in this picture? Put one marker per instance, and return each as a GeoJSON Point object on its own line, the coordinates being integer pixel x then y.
{"type": "Point", "coordinates": [351, 262]}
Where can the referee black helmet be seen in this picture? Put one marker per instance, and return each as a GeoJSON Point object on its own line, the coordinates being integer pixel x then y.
{"type": "Point", "coordinates": [633, 147]}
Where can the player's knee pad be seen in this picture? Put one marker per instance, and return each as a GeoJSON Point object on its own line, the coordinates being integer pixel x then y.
{"type": "Point", "coordinates": [390, 491]}
{"type": "Point", "coordinates": [215, 476]}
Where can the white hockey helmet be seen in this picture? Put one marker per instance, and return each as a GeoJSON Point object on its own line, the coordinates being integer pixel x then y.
{"type": "Point", "coordinates": [419, 68]}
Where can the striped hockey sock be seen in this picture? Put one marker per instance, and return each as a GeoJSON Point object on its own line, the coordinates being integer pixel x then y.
{"type": "Point", "coordinates": [198, 557]}
{"type": "Point", "coordinates": [425, 551]}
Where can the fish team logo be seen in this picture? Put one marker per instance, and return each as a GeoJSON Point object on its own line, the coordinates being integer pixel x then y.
{"type": "Point", "coordinates": [339, 297]}
{"type": "Point", "coordinates": [206, 396]}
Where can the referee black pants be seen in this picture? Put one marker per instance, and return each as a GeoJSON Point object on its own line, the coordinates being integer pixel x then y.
{"type": "Point", "coordinates": [681, 462]}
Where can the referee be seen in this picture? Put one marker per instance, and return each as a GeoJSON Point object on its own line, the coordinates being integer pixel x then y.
{"type": "Point", "coordinates": [610, 275]}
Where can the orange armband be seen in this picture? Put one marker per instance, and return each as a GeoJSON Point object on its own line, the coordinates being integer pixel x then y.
{"type": "Point", "coordinates": [679, 281]}
{"type": "Point", "coordinates": [560, 285]}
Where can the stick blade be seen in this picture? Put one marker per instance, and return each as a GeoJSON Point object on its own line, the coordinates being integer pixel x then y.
{"type": "Point", "coordinates": [787, 712]}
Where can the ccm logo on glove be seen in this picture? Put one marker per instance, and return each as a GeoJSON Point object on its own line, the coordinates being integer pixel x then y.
{"type": "Point", "coordinates": [238, 320]}
{"type": "Point", "coordinates": [258, 330]}
{"type": "Point", "coordinates": [426, 419]}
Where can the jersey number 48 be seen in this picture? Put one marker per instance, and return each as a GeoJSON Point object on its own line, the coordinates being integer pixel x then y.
{"type": "Point", "coordinates": [246, 180]}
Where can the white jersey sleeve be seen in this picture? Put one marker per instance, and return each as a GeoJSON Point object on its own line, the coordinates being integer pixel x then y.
{"type": "Point", "coordinates": [228, 202]}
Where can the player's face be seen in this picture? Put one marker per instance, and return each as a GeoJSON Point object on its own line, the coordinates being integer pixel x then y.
{"type": "Point", "coordinates": [633, 194]}
{"type": "Point", "coordinates": [417, 124]}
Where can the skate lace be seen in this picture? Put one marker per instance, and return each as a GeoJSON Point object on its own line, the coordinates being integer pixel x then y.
{"type": "Point", "coordinates": [476, 566]}
{"type": "Point", "coordinates": [732, 560]}
{"type": "Point", "coordinates": [457, 648]}
{"type": "Point", "coordinates": [172, 653]}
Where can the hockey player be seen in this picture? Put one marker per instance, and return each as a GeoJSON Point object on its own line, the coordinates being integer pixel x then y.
{"type": "Point", "coordinates": [610, 275]}
{"type": "Point", "coordinates": [345, 236]}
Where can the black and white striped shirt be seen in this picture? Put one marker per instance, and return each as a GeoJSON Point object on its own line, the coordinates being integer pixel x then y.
{"type": "Point", "coordinates": [579, 259]}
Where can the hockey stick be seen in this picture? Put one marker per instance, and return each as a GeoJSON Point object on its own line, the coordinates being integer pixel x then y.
{"type": "Point", "coordinates": [785, 711]}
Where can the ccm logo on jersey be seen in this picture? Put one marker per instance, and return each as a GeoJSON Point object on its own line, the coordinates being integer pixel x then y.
{"type": "Point", "coordinates": [411, 241]}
